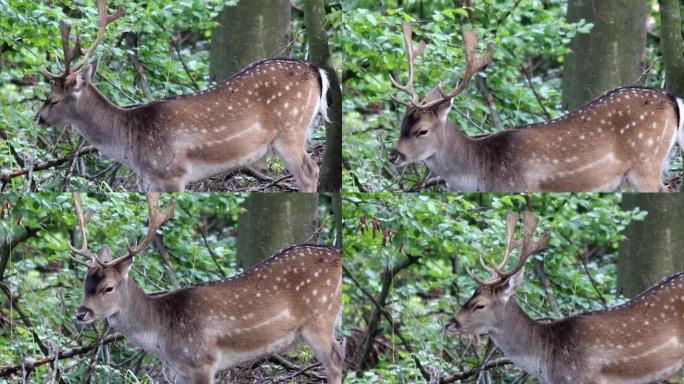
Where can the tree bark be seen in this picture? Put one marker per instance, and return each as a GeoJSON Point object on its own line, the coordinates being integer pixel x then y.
{"type": "Point", "coordinates": [272, 221]}
{"type": "Point", "coordinates": [652, 248]}
{"type": "Point", "coordinates": [672, 45]}
{"type": "Point", "coordinates": [331, 168]}
{"type": "Point", "coordinates": [611, 55]}
{"type": "Point", "coordinates": [250, 31]}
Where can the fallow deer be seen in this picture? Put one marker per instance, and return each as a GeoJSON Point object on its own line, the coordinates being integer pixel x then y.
{"type": "Point", "coordinates": [641, 341]}
{"type": "Point", "coordinates": [624, 136]}
{"type": "Point", "coordinates": [198, 330]}
{"type": "Point", "coordinates": [270, 106]}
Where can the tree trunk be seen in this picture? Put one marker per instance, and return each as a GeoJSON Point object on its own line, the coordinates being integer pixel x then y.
{"type": "Point", "coordinates": [652, 248]}
{"type": "Point", "coordinates": [672, 45]}
{"type": "Point", "coordinates": [611, 55]}
{"type": "Point", "coordinates": [272, 221]}
{"type": "Point", "coordinates": [250, 31]}
{"type": "Point", "coordinates": [331, 169]}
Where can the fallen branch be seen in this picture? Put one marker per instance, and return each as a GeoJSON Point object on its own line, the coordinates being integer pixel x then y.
{"type": "Point", "coordinates": [464, 375]}
{"type": "Point", "coordinates": [30, 364]}
{"type": "Point", "coordinates": [7, 175]}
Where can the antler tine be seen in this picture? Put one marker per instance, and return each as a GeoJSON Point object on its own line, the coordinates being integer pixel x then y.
{"type": "Point", "coordinates": [529, 245]}
{"type": "Point", "coordinates": [411, 55]}
{"type": "Point", "coordinates": [69, 54]}
{"type": "Point", "coordinates": [511, 242]}
{"type": "Point", "coordinates": [474, 63]}
{"type": "Point", "coordinates": [83, 250]}
{"type": "Point", "coordinates": [493, 281]}
{"type": "Point", "coordinates": [104, 20]}
{"type": "Point", "coordinates": [155, 220]}
{"type": "Point", "coordinates": [532, 246]}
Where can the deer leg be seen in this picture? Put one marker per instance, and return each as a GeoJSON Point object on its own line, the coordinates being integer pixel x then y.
{"type": "Point", "coordinates": [153, 183]}
{"type": "Point", "coordinates": [643, 180]}
{"type": "Point", "coordinates": [199, 375]}
{"type": "Point", "coordinates": [143, 181]}
{"type": "Point", "coordinates": [173, 184]}
{"type": "Point", "coordinates": [298, 162]}
{"type": "Point", "coordinates": [327, 350]}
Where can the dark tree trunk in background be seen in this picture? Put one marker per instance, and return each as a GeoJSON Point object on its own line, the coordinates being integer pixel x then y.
{"type": "Point", "coordinates": [672, 45]}
{"type": "Point", "coordinates": [331, 169]}
{"type": "Point", "coordinates": [251, 31]}
{"type": "Point", "coordinates": [611, 55]}
{"type": "Point", "coordinates": [653, 248]}
{"type": "Point", "coordinates": [272, 221]}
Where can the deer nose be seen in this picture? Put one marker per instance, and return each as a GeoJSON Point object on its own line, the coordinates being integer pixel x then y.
{"type": "Point", "coordinates": [453, 325]}
{"type": "Point", "coordinates": [84, 313]}
{"type": "Point", "coordinates": [395, 156]}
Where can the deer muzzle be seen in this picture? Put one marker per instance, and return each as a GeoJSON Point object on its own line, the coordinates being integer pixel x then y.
{"type": "Point", "coordinates": [453, 326]}
{"type": "Point", "coordinates": [84, 315]}
{"type": "Point", "coordinates": [396, 157]}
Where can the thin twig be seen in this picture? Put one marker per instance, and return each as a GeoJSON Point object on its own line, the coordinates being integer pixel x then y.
{"type": "Point", "coordinates": [528, 76]}
{"type": "Point", "coordinates": [176, 45]}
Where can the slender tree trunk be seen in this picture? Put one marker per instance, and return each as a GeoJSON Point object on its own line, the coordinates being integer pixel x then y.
{"type": "Point", "coordinates": [250, 31]}
{"type": "Point", "coordinates": [611, 55]}
{"type": "Point", "coordinates": [672, 45]}
{"type": "Point", "coordinates": [331, 169]}
{"type": "Point", "coordinates": [272, 221]}
{"type": "Point", "coordinates": [652, 248]}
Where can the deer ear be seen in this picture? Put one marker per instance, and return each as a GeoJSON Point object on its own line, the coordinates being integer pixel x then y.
{"type": "Point", "coordinates": [84, 76]}
{"type": "Point", "coordinates": [125, 266]}
{"type": "Point", "coordinates": [511, 284]}
{"type": "Point", "coordinates": [104, 256]}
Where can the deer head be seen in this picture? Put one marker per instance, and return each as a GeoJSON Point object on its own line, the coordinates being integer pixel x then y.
{"type": "Point", "coordinates": [61, 105]}
{"type": "Point", "coordinates": [424, 122]}
{"type": "Point", "coordinates": [486, 308]}
{"type": "Point", "coordinates": [104, 284]}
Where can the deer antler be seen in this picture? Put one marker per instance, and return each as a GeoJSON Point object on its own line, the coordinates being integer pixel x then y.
{"type": "Point", "coordinates": [474, 63]}
{"type": "Point", "coordinates": [71, 54]}
{"type": "Point", "coordinates": [83, 250]}
{"type": "Point", "coordinates": [155, 220]}
{"type": "Point", "coordinates": [528, 245]}
{"type": "Point", "coordinates": [411, 55]}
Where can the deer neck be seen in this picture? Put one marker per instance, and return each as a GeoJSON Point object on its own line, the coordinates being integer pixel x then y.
{"type": "Point", "coordinates": [104, 124]}
{"type": "Point", "coordinates": [458, 161]}
{"type": "Point", "coordinates": [137, 318]}
{"type": "Point", "coordinates": [522, 340]}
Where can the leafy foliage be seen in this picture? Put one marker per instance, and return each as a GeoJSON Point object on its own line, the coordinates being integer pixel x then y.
{"type": "Point", "coordinates": [529, 35]}
{"type": "Point", "coordinates": [450, 232]}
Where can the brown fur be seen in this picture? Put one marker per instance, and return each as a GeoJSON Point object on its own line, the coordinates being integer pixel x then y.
{"type": "Point", "coordinates": [269, 106]}
{"type": "Point", "coordinates": [197, 330]}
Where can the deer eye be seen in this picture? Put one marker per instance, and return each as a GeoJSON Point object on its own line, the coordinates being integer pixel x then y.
{"type": "Point", "coordinates": [422, 132]}
{"type": "Point", "coordinates": [478, 307]}
{"type": "Point", "coordinates": [109, 289]}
